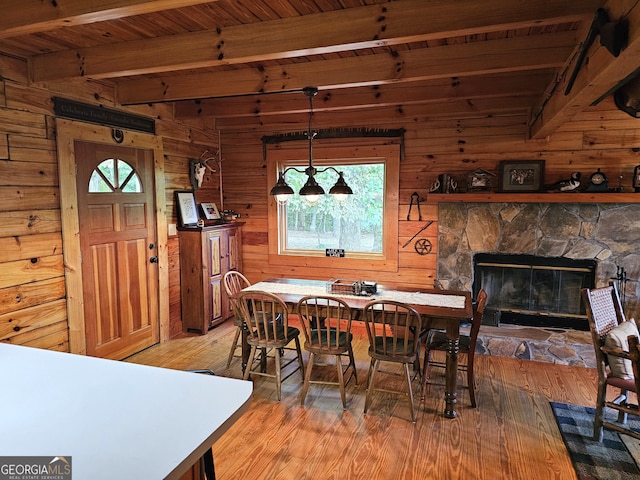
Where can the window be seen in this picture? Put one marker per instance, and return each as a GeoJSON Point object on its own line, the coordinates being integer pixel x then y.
{"type": "Point", "coordinates": [354, 225]}
{"type": "Point", "coordinates": [114, 175]}
{"type": "Point", "coordinates": [365, 225]}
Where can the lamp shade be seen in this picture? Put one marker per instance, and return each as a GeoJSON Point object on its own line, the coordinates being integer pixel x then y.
{"type": "Point", "coordinates": [341, 189]}
{"type": "Point", "coordinates": [311, 187]}
{"type": "Point", "coordinates": [281, 190]}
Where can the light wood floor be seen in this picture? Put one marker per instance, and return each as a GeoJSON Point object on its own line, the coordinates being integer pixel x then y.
{"type": "Point", "coordinates": [511, 435]}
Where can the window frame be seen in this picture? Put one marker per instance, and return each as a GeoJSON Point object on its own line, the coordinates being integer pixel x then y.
{"type": "Point", "coordinates": [332, 155]}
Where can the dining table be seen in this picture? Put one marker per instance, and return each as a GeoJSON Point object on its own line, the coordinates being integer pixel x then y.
{"type": "Point", "coordinates": [440, 309]}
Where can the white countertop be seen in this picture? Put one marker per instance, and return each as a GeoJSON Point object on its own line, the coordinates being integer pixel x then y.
{"type": "Point", "coordinates": [116, 420]}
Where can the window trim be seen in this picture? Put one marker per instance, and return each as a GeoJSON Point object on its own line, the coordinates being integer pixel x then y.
{"type": "Point", "coordinates": [323, 155]}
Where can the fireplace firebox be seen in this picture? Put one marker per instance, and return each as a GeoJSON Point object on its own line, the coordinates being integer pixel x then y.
{"type": "Point", "coordinates": [532, 290]}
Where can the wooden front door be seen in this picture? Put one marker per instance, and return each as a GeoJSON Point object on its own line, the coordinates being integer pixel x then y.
{"type": "Point", "coordinates": [119, 247]}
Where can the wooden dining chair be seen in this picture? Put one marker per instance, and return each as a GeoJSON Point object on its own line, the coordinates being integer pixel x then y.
{"type": "Point", "coordinates": [394, 330]}
{"type": "Point", "coordinates": [234, 282]}
{"type": "Point", "coordinates": [437, 341]}
{"type": "Point", "coordinates": [616, 363]}
{"type": "Point", "coordinates": [258, 309]}
{"type": "Point", "coordinates": [326, 324]}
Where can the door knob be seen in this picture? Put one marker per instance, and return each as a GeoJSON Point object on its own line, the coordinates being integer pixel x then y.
{"type": "Point", "coordinates": [153, 260]}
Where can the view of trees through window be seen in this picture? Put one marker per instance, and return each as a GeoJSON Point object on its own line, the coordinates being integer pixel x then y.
{"type": "Point", "coordinates": [355, 225]}
{"type": "Point", "coordinates": [114, 175]}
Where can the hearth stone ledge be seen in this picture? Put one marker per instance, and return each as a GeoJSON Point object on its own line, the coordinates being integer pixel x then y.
{"type": "Point", "coordinates": [539, 344]}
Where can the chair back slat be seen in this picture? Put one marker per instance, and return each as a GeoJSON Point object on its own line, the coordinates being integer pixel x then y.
{"type": "Point", "coordinates": [234, 282]}
{"type": "Point", "coordinates": [393, 328]}
{"type": "Point", "coordinates": [259, 309]}
{"type": "Point", "coordinates": [478, 313]}
{"type": "Point", "coordinates": [604, 311]}
{"type": "Point", "coordinates": [326, 322]}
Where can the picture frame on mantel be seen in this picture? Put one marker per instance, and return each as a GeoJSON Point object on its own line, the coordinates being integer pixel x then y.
{"type": "Point", "coordinates": [210, 211]}
{"type": "Point", "coordinates": [521, 176]}
{"type": "Point", "coordinates": [186, 208]}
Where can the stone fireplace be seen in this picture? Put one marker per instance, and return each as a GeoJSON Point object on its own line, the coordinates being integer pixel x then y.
{"type": "Point", "coordinates": [607, 234]}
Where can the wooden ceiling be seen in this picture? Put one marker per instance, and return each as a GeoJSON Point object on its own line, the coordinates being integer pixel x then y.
{"type": "Point", "coordinates": [421, 57]}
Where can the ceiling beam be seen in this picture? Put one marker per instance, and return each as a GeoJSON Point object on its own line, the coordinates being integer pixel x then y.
{"type": "Point", "coordinates": [395, 94]}
{"type": "Point", "coordinates": [385, 115]}
{"type": "Point", "coordinates": [600, 74]}
{"type": "Point", "coordinates": [475, 58]}
{"type": "Point", "coordinates": [329, 32]}
{"type": "Point", "coordinates": [20, 17]}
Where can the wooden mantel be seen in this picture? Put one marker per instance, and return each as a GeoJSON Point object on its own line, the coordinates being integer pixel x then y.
{"type": "Point", "coordinates": [490, 197]}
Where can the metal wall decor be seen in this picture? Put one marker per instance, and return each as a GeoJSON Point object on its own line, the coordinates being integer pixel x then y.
{"type": "Point", "coordinates": [335, 133]}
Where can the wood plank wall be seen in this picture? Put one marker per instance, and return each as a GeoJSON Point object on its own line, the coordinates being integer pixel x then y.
{"type": "Point", "coordinates": [32, 290]}
{"type": "Point", "coordinates": [32, 287]}
{"type": "Point", "coordinates": [601, 137]}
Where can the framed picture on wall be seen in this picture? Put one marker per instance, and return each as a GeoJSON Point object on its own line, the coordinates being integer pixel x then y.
{"type": "Point", "coordinates": [521, 175]}
{"type": "Point", "coordinates": [186, 208]}
{"type": "Point", "coordinates": [210, 211]}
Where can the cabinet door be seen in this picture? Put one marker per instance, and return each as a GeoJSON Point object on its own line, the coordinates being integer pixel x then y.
{"type": "Point", "coordinates": [234, 252]}
{"type": "Point", "coordinates": [215, 269]}
{"type": "Point", "coordinates": [216, 299]}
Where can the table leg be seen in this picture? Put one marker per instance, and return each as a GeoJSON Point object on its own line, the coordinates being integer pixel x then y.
{"type": "Point", "coordinates": [450, 390]}
{"type": "Point", "coordinates": [245, 347]}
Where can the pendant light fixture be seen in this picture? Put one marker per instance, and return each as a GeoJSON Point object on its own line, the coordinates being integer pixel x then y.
{"type": "Point", "coordinates": [311, 190]}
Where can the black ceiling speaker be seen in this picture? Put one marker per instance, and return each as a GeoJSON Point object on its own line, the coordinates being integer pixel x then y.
{"type": "Point", "coordinates": [627, 97]}
{"type": "Point", "coordinates": [614, 35]}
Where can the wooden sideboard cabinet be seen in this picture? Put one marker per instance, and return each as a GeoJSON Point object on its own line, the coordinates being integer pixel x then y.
{"type": "Point", "coordinates": [206, 254]}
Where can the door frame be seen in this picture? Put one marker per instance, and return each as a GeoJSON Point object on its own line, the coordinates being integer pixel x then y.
{"type": "Point", "coordinates": [67, 132]}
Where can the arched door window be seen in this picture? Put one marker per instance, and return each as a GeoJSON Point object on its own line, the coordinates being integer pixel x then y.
{"type": "Point", "coordinates": [114, 175]}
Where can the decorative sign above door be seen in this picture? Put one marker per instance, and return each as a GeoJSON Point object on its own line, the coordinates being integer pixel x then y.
{"type": "Point", "coordinates": [102, 116]}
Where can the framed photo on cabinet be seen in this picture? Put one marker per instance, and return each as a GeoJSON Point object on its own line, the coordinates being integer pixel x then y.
{"type": "Point", "coordinates": [186, 208]}
{"type": "Point", "coordinates": [210, 211]}
{"type": "Point", "coordinates": [521, 175]}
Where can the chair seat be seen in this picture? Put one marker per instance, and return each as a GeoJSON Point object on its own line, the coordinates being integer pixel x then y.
{"type": "Point", "coordinates": [337, 341]}
{"type": "Point", "coordinates": [386, 352]}
{"type": "Point", "coordinates": [280, 338]}
{"type": "Point", "coordinates": [439, 341]}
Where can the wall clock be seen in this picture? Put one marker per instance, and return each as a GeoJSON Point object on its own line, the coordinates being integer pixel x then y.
{"type": "Point", "coordinates": [598, 182]}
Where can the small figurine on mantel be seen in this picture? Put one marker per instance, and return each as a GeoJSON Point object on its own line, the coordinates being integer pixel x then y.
{"type": "Point", "coordinates": [444, 184]}
{"type": "Point", "coordinates": [569, 185]}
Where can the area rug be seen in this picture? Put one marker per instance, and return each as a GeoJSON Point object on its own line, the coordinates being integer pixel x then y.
{"type": "Point", "coordinates": [593, 460]}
